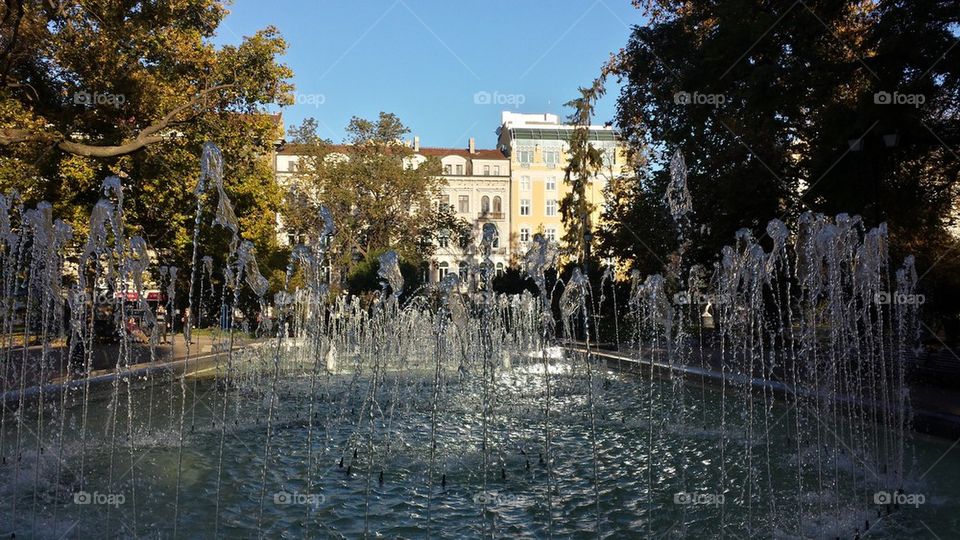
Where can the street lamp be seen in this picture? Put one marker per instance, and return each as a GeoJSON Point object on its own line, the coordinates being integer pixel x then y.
{"type": "Point", "coordinates": [587, 240]}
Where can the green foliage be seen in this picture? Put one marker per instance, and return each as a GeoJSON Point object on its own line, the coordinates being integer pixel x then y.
{"type": "Point", "coordinates": [363, 276]}
{"type": "Point", "coordinates": [514, 281]}
{"type": "Point", "coordinates": [767, 102]}
{"type": "Point", "coordinates": [584, 162]}
{"type": "Point", "coordinates": [636, 226]}
{"type": "Point", "coordinates": [378, 201]}
{"type": "Point", "coordinates": [135, 89]}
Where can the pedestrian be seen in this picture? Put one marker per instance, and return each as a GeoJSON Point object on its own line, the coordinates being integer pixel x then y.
{"type": "Point", "coordinates": [187, 325]}
{"type": "Point", "coordinates": [134, 330]}
{"type": "Point", "coordinates": [162, 323]}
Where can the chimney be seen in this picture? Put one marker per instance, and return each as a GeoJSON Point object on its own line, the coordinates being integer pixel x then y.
{"type": "Point", "coordinates": [473, 146]}
{"type": "Point", "coordinates": [416, 143]}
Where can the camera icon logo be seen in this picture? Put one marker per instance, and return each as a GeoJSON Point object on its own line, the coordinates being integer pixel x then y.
{"type": "Point", "coordinates": [82, 98]}
{"type": "Point", "coordinates": [882, 98]}
{"type": "Point", "coordinates": [682, 498]}
{"type": "Point", "coordinates": [482, 98]}
{"type": "Point", "coordinates": [682, 98]}
{"type": "Point", "coordinates": [282, 497]}
{"type": "Point", "coordinates": [81, 497]}
{"type": "Point", "coordinates": [882, 498]}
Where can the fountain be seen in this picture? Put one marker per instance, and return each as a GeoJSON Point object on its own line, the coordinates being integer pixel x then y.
{"type": "Point", "coordinates": [459, 412]}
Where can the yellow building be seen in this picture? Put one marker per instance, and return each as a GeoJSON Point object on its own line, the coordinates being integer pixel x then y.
{"type": "Point", "coordinates": [538, 148]}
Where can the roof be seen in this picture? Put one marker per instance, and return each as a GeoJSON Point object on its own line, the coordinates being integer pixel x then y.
{"type": "Point", "coordinates": [480, 153]}
{"type": "Point", "coordinates": [291, 149]}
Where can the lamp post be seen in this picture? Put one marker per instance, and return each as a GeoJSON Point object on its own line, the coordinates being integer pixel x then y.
{"type": "Point", "coordinates": [587, 240]}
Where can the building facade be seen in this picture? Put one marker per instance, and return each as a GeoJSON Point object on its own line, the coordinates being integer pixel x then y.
{"type": "Point", "coordinates": [517, 187]}
{"type": "Point", "coordinates": [538, 147]}
{"type": "Point", "coordinates": [478, 191]}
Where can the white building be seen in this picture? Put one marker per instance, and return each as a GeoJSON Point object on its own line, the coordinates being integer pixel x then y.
{"type": "Point", "coordinates": [478, 191]}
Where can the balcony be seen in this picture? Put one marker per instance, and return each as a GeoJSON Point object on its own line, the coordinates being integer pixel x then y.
{"type": "Point", "coordinates": [490, 215]}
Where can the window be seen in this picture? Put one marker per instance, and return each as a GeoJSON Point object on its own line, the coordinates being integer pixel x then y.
{"type": "Point", "coordinates": [292, 165]}
{"type": "Point", "coordinates": [496, 170]}
{"type": "Point", "coordinates": [442, 270]}
{"type": "Point", "coordinates": [497, 205]}
{"type": "Point", "coordinates": [524, 234]}
{"type": "Point", "coordinates": [551, 209]}
{"type": "Point", "coordinates": [486, 170]}
{"type": "Point", "coordinates": [524, 183]}
{"type": "Point", "coordinates": [551, 157]}
{"type": "Point", "coordinates": [445, 202]}
{"type": "Point", "coordinates": [464, 272]}
{"type": "Point", "coordinates": [459, 169]}
{"type": "Point", "coordinates": [485, 205]}
{"type": "Point", "coordinates": [524, 207]}
{"type": "Point", "coordinates": [550, 234]}
{"type": "Point", "coordinates": [464, 202]}
{"type": "Point", "coordinates": [496, 239]}
{"type": "Point", "coordinates": [499, 269]}
{"type": "Point", "coordinates": [447, 169]}
{"type": "Point", "coordinates": [551, 183]}
{"type": "Point", "coordinates": [444, 239]}
{"type": "Point", "coordinates": [525, 157]}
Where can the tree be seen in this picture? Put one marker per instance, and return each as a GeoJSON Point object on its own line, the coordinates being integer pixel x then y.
{"type": "Point", "coordinates": [379, 196]}
{"type": "Point", "coordinates": [585, 162]}
{"type": "Point", "coordinates": [134, 89]}
{"type": "Point", "coordinates": [782, 107]}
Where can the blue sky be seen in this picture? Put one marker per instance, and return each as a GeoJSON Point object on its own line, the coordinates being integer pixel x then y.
{"type": "Point", "coordinates": [431, 61]}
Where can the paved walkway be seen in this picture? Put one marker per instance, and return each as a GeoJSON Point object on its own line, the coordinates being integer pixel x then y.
{"type": "Point", "coordinates": [104, 358]}
{"type": "Point", "coordinates": [936, 407]}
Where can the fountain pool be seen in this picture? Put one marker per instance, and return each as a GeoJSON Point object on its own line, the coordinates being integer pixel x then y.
{"type": "Point", "coordinates": [778, 406]}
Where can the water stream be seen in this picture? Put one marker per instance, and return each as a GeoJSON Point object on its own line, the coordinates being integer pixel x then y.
{"type": "Point", "coordinates": [776, 404]}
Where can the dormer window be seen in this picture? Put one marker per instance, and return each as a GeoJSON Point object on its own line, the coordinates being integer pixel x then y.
{"type": "Point", "coordinates": [448, 169]}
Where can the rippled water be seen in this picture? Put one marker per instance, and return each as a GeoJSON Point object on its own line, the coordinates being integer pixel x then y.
{"type": "Point", "coordinates": [661, 469]}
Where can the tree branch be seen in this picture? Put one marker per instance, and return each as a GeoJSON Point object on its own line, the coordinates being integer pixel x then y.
{"type": "Point", "coordinates": [148, 135]}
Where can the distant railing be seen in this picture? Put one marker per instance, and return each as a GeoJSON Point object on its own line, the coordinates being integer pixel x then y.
{"type": "Point", "coordinates": [490, 215]}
